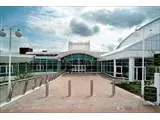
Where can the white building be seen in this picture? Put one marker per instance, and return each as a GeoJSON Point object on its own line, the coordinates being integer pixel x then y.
{"type": "Point", "coordinates": [125, 61]}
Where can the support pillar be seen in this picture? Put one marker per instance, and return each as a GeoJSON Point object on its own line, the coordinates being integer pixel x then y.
{"type": "Point", "coordinates": [59, 65]}
{"type": "Point", "coordinates": [157, 85]}
{"type": "Point", "coordinates": [114, 68]}
{"type": "Point", "coordinates": [101, 66]}
{"type": "Point", "coordinates": [131, 69]}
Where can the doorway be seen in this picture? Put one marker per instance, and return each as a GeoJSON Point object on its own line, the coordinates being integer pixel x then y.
{"type": "Point", "coordinates": [78, 68]}
{"type": "Point", "coordinates": [138, 73]}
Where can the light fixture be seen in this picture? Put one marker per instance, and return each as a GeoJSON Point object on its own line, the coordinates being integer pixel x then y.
{"type": "Point", "coordinates": [2, 33]}
{"type": "Point", "coordinates": [18, 33]}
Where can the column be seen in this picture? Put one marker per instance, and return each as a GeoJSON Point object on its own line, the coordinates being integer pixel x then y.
{"type": "Point", "coordinates": [59, 65]}
{"type": "Point", "coordinates": [26, 70]}
{"type": "Point", "coordinates": [46, 65]}
{"type": "Point", "coordinates": [131, 69]}
{"type": "Point", "coordinates": [101, 66]}
{"type": "Point", "coordinates": [114, 68]}
{"type": "Point", "coordinates": [18, 68]}
{"type": "Point", "coordinates": [157, 85]}
{"type": "Point", "coordinates": [97, 66]}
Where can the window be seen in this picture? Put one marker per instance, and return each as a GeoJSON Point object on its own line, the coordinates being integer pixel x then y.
{"type": "Point", "coordinates": [5, 69]}
{"type": "Point", "coordinates": [39, 67]}
{"type": "Point", "coordinates": [119, 69]}
{"type": "Point", "coordinates": [2, 69]}
{"type": "Point", "coordinates": [8, 69]}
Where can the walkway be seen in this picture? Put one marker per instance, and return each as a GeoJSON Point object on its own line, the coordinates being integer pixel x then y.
{"type": "Point", "coordinates": [80, 101]}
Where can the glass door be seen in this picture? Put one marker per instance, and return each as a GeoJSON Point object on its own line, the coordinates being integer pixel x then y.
{"type": "Point", "coordinates": [138, 73]}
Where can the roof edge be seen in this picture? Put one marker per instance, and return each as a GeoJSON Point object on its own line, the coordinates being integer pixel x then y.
{"type": "Point", "coordinates": [137, 30]}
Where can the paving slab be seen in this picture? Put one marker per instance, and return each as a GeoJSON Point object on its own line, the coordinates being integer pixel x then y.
{"type": "Point", "coordinates": [80, 100]}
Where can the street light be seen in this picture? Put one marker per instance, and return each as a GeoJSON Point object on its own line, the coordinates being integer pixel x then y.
{"type": "Point", "coordinates": [143, 74]}
{"type": "Point", "coordinates": [3, 34]}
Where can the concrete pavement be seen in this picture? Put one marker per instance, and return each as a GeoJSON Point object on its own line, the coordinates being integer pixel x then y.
{"type": "Point", "coordinates": [57, 101]}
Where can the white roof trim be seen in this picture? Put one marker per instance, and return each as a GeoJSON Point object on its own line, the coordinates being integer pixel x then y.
{"type": "Point", "coordinates": [127, 54]}
{"type": "Point", "coordinates": [63, 54]}
{"type": "Point", "coordinates": [16, 58]}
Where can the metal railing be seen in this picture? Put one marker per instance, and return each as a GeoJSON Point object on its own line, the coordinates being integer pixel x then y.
{"type": "Point", "coordinates": [20, 87]}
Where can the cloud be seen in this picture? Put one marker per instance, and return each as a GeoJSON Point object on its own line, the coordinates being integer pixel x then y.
{"type": "Point", "coordinates": [151, 12]}
{"type": "Point", "coordinates": [47, 22]}
{"type": "Point", "coordinates": [16, 43]}
{"type": "Point", "coordinates": [55, 46]}
{"type": "Point", "coordinates": [108, 47]}
{"type": "Point", "coordinates": [120, 18]}
{"type": "Point", "coordinates": [52, 20]}
{"type": "Point", "coordinates": [82, 28]}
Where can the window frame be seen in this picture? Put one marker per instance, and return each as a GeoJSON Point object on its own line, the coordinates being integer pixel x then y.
{"type": "Point", "coordinates": [6, 69]}
{"type": "Point", "coordinates": [119, 72]}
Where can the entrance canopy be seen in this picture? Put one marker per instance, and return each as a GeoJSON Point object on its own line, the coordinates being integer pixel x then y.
{"type": "Point", "coordinates": [79, 62]}
{"type": "Point", "coordinates": [78, 58]}
{"type": "Point", "coordinates": [63, 54]}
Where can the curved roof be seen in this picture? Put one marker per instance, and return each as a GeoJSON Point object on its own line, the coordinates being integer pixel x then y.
{"type": "Point", "coordinates": [63, 54]}
{"type": "Point", "coordinates": [135, 49]}
{"type": "Point", "coordinates": [136, 30]}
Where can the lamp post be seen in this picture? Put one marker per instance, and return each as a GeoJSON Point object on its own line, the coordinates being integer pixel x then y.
{"type": "Point", "coordinates": [3, 34]}
{"type": "Point", "coordinates": [143, 74]}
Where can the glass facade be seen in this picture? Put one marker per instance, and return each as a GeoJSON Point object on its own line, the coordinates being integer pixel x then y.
{"type": "Point", "coordinates": [149, 68]}
{"type": "Point", "coordinates": [122, 67]}
{"type": "Point", "coordinates": [43, 65]}
{"type": "Point", "coordinates": [108, 67]}
{"type": "Point", "coordinates": [16, 69]}
{"type": "Point", "coordinates": [81, 61]}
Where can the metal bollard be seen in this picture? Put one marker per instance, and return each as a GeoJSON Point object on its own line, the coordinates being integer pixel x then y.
{"type": "Point", "coordinates": [69, 88]}
{"type": "Point", "coordinates": [91, 88]}
{"type": "Point", "coordinates": [47, 88]}
{"type": "Point", "coordinates": [113, 88]}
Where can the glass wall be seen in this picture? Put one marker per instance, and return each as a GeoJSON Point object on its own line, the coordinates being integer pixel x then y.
{"type": "Point", "coordinates": [108, 67]}
{"type": "Point", "coordinates": [122, 67]}
{"type": "Point", "coordinates": [149, 68]}
{"type": "Point", "coordinates": [89, 62]}
{"type": "Point", "coordinates": [18, 70]}
{"type": "Point", "coordinates": [43, 65]}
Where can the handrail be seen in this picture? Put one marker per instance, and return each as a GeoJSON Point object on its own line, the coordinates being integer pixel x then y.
{"type": "Point", "coordinates": [44, 79]}
{"type": "Point", "coordinates": [20, 80]}
{"type": "Point", "coordinates": [30, 78]}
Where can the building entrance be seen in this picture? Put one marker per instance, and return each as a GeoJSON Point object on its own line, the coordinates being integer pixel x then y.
{"type": "Point", "coordinates": [78, 68]}
{"type": "Point", "coordinates": [138, 73]}
{"type": "Point", "coordinates": [80, 63]}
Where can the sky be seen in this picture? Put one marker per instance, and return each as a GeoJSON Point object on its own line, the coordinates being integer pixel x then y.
{"type": "Point", "coordinates": [50, 28]}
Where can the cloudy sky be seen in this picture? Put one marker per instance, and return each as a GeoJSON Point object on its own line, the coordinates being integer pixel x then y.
{"type": "Point", "coordinates": [50, 28]}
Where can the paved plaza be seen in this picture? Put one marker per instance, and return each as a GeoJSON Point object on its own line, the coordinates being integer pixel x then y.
{"type": "Point", "coordinates": [80, 101]}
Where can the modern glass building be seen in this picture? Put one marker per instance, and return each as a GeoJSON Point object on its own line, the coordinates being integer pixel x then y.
{"type": "Point", "coordinates": [125, 61]}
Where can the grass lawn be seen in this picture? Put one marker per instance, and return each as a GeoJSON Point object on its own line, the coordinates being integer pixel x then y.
{"type": "Point", "coordinates": [131, 87]}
